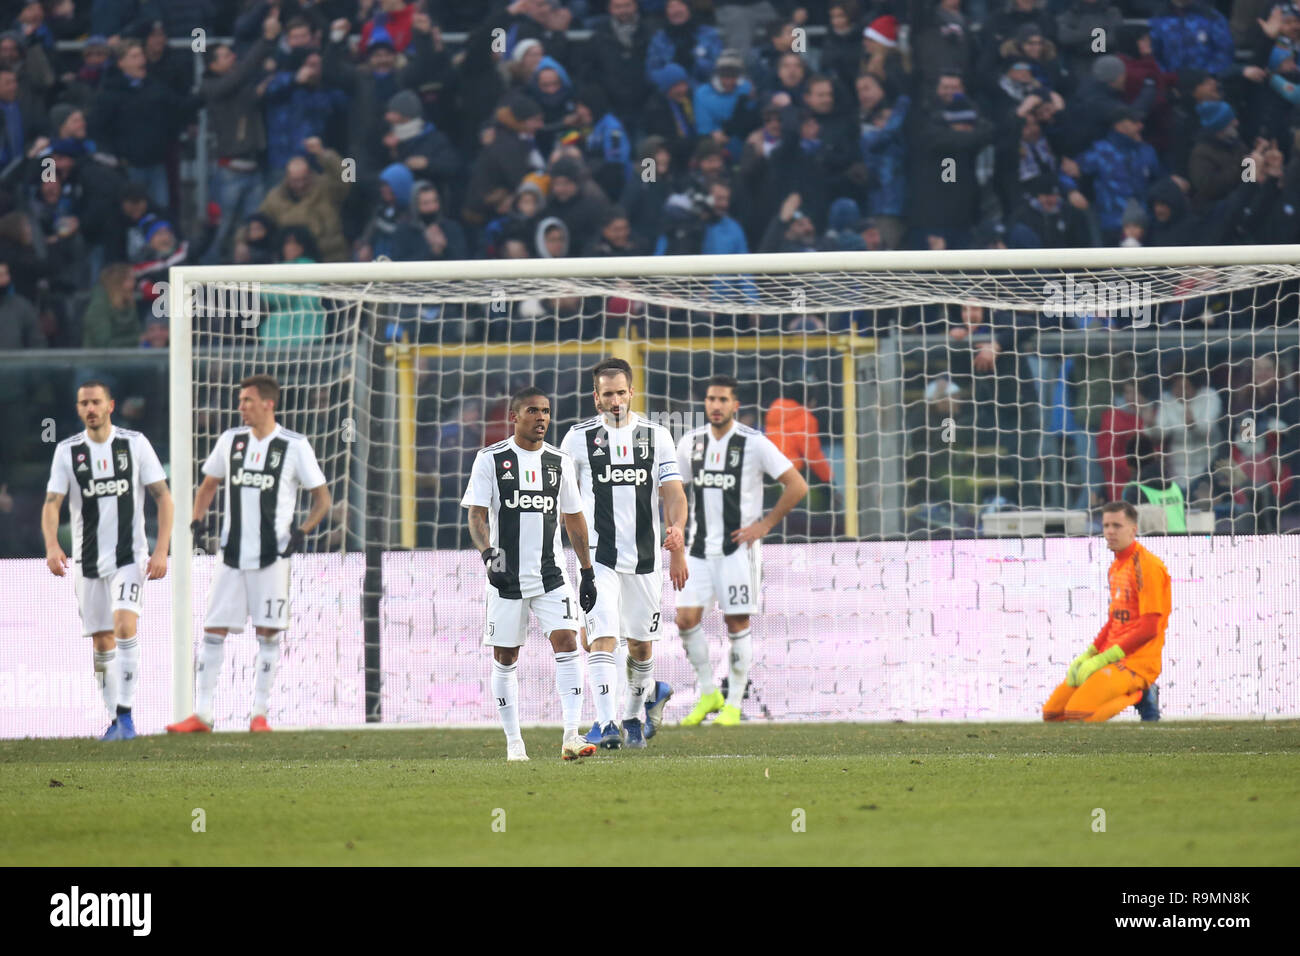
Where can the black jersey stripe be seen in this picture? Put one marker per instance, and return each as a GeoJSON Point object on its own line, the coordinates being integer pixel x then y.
{"type": "Point", "coordinates": [700, 528]}
{"type": "Point", "coordinates": [276, 452]}
{"type": "Point", "coordinates": [508, 522]}
{"type": "Point", "coordinates": [603, 498]}
{"type": "Point", "coordinates": [89, 514]}
{"type": "Point", "coordinates": [235, 499]}
{"type": "Point", "coordinates": [643, 450]}
{"type": "Point", "coordinates": [123, 465]}
{"type": "Point", "coordinates": [552, 464]}
{"type": "Point", "coordinates": [733, 464]}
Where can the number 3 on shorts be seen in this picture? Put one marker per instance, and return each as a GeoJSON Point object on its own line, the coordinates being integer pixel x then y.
{"type": "Point", "coordinates": [654, 623]}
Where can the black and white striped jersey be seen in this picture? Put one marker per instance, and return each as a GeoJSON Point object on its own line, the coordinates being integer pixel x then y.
{"type": "Point", "coordinates": [525, 492]}
{"type": "Point", "coordinates": [262, 479]}
{"type": "Point", "coordinates": [725, 484]}
{"type": "Point", "coordinates": [619, 473]}
{"type": "Point", "coordinates": [104, 483]}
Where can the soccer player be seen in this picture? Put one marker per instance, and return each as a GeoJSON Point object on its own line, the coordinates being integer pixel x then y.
{"type": "Point", "coordinates": [103, 472]}
{"type": "Point", "coordinates": [724, 463]}
{"type": "Point", "coordinates": [517, 489]}
{"type": "Point", "coordinates": [1115, 669]}
{"type": "Point", "coordinates": [263, 467]}
{"type": "Point", "coordinates": [622, 460]}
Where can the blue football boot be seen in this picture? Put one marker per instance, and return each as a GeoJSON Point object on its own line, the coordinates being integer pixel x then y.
{"type": "Point", "coordinates": [611, 737]}
{"type": "Point", "coordinates": [125, 727]}
{"type": "Point", "coordinates": [112, 733]}
{"type": "Point", "coordinates": [1148, 707]}
{"type": "Point", "coordinates": [654, 708]}
{"type": "Point", "coordinates": [635, 739]}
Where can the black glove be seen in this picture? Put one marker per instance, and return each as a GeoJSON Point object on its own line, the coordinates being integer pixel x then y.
{"type": "Point", "coordinates": [297, 537]}
{"type": "Point", "coordinates": [587, 590]}
{"type": "Point", "coordinates": [494, 559]}
{"type": "Point", "coordinates": [196, 530]}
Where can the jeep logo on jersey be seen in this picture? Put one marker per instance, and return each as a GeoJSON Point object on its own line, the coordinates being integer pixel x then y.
{"type": "Point", "coordinates": [716, 479]}
{"type": "Point", "coordinates": [113, 486]}
{"type": "Point", "coordinates": [623, 476]}
{"type": "Point", "coordinates": [253, 479]}
{"type": "Point", "coordinates": [522, 501]}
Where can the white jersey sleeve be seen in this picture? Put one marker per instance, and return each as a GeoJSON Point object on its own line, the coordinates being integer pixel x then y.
{"type": "Point", "coordinates": [684, 448]}
{"type": "Point", "coordinates": [60, 482]}
{"type": "Point", "coordinates": [570, 497]}
{"type": "Point", "coordinates": [774, 462]}
{"type": "Point", "coordinates": [572, 446]}
{"type": "Point", "coordinates": [478, 494]}
{"type": "Point", "coordinates": [309, 473]}
{"type": "Point", "coordinates": [151, 469]}
{"type": "Point", "coordinates": [215, 466]}
{"type": "Point", "coordinates": [666, 468]}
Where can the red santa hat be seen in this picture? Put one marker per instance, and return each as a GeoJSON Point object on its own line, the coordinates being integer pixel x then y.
{"type": "Point", "coordinates": [884, 30]}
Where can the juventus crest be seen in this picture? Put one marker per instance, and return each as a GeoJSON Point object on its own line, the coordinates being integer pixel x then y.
{"type": "Point", "coordinates": [274, 461]}
{"type": "Point", "coordinates": [121, 459]}
{"type": "Point", "coordinates": [552, 475]}
{"type": "Point", "coordinates": [643, 446]}
{"type": "Point", "coordinates": [735, 457]}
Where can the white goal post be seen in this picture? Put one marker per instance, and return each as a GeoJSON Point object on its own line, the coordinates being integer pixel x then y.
{"type": "Point", "coordinates": [806, 319]}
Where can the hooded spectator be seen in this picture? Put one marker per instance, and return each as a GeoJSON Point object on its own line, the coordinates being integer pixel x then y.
{"type": "Point", "coordinates": [552, 90]}
{"type": "Point", "coordinates": [603, 141]}
{"type": "Point", "coordinates": [670, 113]}
{"type": "Point", "coordinates": [551, 240]}
{"type": "Point", "coordinates": [391, 233]}
{"type": "Point", "coordinates": [255, 241]}
{"type": "Point", "coordinates": [842, 48]}
{"type": "Point", "coordinates": [1123, 167]}
{"type": "Point", "coordinates": [1171, 223]}
{"type": "Point", "coordinates": [576, 201]}
{"type": "Point", "coordinates": [498, 170]}
{"type": "Point", "coordinates": [443, 235]}
{"type": "Point", "coordinates": [394, 17]}
{"type": "Point", "coordinates": [1215, 168]}
{"type": "Point", "coordinates": [657, 176]}
{"type": "Point", "coordinates": [616, 237]}
{"type": "Point", "coordinates": [1044, 220]}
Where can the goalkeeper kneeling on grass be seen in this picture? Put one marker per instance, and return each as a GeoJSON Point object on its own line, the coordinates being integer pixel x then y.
{"type": "Point", "coordinates": [1115, 670]}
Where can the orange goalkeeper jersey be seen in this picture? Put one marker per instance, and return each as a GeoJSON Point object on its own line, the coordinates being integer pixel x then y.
{"type": "Point", "coordinates": [1139, 585]}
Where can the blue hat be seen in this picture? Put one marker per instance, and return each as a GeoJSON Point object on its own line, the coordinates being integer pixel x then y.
{"type": "Point", "coordinates": [154, 226]}
{"type": "Point", "coordinates": [667, 77]}
{"type": "Point", "coordinates": [380, 36]}
{"type": "Point", "coordinates": [1215, 115]}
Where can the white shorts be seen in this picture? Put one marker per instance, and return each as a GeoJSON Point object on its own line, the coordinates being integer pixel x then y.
{"type": "Point", "coordinates": [98, 598]}
{"type": "Point", "coordinates": [507, 618]}
{"type": "Point", "coordinates": [262, 593]}
{"type": "Point", "coordinates": [627, 605]}
{"type": "Point", "coordinates": [732, 580]}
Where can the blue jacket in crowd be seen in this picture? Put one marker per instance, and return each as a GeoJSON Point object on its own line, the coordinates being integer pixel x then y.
{"type": "Point", "coordinates": [1123, 168]}
{"type": "Point", "coordinates": [884, 150]}
{"type": "Point", "coordinates": [1192, 37]}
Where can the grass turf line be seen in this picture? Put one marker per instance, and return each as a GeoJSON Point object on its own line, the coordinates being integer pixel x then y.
{"type": "Point", "coordinates": [893, 794]}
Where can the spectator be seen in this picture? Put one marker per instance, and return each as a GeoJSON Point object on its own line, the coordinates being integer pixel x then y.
{"type": "Point", "coordinates": [53, 212]}
{"type": "Point", "coordinates": [1043, 221]}
{"type": "Point", "coordinates": [1120, 427]}
{"type": "Point", "coordinates": [313, 200]}
{"type": "Point", "coordinates": [29, 62]}
{"type": "Point", "coordinates": [603, 141]}
{"type": "Point", "coordinates": [23, 119]}
{"type": "Point", "coordinates": [292, 318]}
{"type": "Point", "coordinates": [1215, 167]}
{"type": "Point", "coordinates": [655, 180]}
{"type": "Point", "coordinates": [165, 249]}
{"type": "Point", "coordinates": [1192, 36]}
{"type": "Point", "coordinates": [1187, 424]}
{"type": "Point", "coordinates": [794, 430]}
{"type": "Point", "coordinates": [551, 240]}
{"type": "Point", "coordinates": [881, 57]}
{"type": "Point", "coordinates": [1194, 88]}
{"type": "Point", "coordinates": [843, 46]}
{"type": "Point", "coordinates": [884, 152]}
{"type": "Point", "coordinates": [418, 145]}
{"type": "Point", "coordinates": [616, 238]}
{"type": "Point", "coordinates": [947, 135]}
{"type": "Point", "coordinates": [299, 104]}
{"type": "Point", "coordinates": [391, 232]}
{"type": "Point", "coordinates": [722, 105]}
{"type": "Point", "coordinates": [520, 222]}
{"type": "Point", "coordinates": [843, 230]}
{"type": "Point", "coordinates": [111, 320]}
{"type": "Point", "coordinates": [1018, 14]}
{"type": "Point", "coordinates": [169, 67]}
{"type": "Point", "coordinates": [790, 80]}
{"type": "Point", "coordinates": [616, 58]}
{"type": "Point", "coordinates": [394, 17]}
{"type": "Point", "coordinates": [697, 223]}
{"type": "Point", "coordinates": [790, 229]}
{"type": "Point", "coordinates": [137, 118]}
{"type": "Point", "coordinates": [82, 86]}
{"type": "Point", "coordinates": [497, 172]}
{"type": "Point", "coordinates": [576, 201]}
{"type": "Point", "coordinates": [443, 235]}
{"type": "Point", "coordinates": [1268, 209]}
{"type": "Point", "coordinates": [255, 241]}
{"type": "Point", "coordinates": [1154, 98]}
{"type": "Point", "coordinates": [942, 44]}
{"type": "Point", "coordinates": [670, 113]}
{"type": "Point", "coordinates": [20, 326]}
{"type": "Point", "coordinates": [1171, 222]}
{"type": "Point", "coordinates": [542, 20]}
{"type": "Point", "coordinates": [552, 90]}
{"type": "Point", "coordinates": [1123, 167]}
{"type": "Point", "coordinates": [230, 92]}
{"type": "Point", "coordinates": [1029, 45]}
{"type": "Point", "coordinates": [764, 61]}
{"type": "Point", "coordinates": [30, 266]}
{"type": "Point", "coordinates": [1076, 31]}
{"type": "Point", "coordinates": [682, 40]}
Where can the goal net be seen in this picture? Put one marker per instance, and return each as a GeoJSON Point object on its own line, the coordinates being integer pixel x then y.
{"type": "Point", "coordinates": [958, 397]}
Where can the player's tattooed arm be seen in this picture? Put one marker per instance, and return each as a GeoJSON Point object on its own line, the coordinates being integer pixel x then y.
{"type": "Point", "coordinates": [479, 533]}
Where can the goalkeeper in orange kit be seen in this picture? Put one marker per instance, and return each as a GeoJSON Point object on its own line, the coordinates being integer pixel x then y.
{"type": "Point", "coordinates": [1116, 669]}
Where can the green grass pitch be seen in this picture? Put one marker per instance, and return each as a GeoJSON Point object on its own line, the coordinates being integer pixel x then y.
{"type": "Point", "coordinates": [1189, 793]}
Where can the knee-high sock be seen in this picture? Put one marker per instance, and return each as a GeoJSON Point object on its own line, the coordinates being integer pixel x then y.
{"type": "Point", "coordinates": [505, 691]}
{"type": "Point", "coordinates": [211, 656]}
{"type": "Point", "coordinates": [640, 683]}
{"type": "Point", "coordinates": [128, 655]}
{"type": "Point", "coordinates": [568, 683]}
{"type": "Point", "coordinates": [620, 668]}
{"type": "Point", "coordinates": [106, 673]}
{"type": "Point", "coordinates": [604, 685]}
{"type": "Point", "coordinates": [742, 653]}
{"type": "Point", "coordinates": [268, 659]}
{"type": "Point", "coordinates": [697, 652]}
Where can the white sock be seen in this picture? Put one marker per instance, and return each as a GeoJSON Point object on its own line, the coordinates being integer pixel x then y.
{"type": "Point", "coordinates": [640, 682]}
{"type": "Point", "coordinates": [211, 657]}
{"type": "Point", "coordinates": [505, 691]}
{"type": "Point", "coordinates": [128, 654]}
{"type": "Point", "coordinates": [697, 652]}
{"type": "Point", "coordinates": [604, 684]}
{"type": "Point", "coordinates": [742, 653]}
{"type": "Point", "coordinates": [620, 668]}
{"type": "Point", "coordinates": [268, 658]}
{"type": "Point", "coordinates": [568, 683]}
{"type": "Point", "coordinates": [106, 673]}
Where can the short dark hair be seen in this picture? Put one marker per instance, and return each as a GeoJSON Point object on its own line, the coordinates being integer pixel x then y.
{"type": "Point", "coordinates": [1129, 511]}
{"type": "Point", "coordinates": [267, 387]}
{"type": "Point", "coordinates": [521, 396]}
{"type": "Point", "coordinates": [610, 366]}
{"type": "Point", "coordinates": [96, 383]}
{"type": "Point", "coordinates": [723, 381]}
